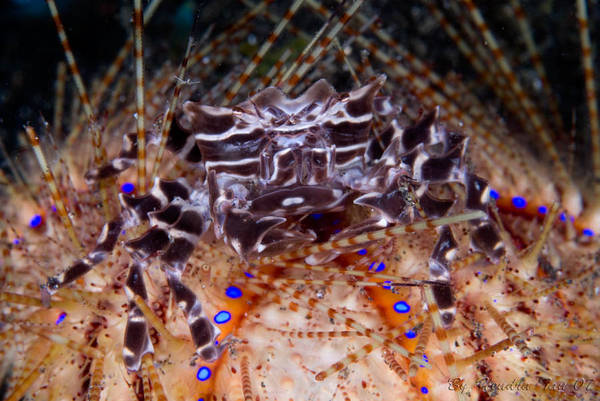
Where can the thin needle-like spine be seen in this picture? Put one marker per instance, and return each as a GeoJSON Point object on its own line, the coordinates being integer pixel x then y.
{"type": "Point", "coordinates": [117, 64]}
{"type": "Point", "coordinates": [139, 94]}
{"type": "Point", "coordinates": [276, 69]}
{"type": "Point", "coordinates": [318, 334]}
{"type": "Point", "coordinates": [157, 387]}
{"type": "Point", "coordinates": [58, 339]}
{"type": "Point", "coordinates": [591, 214]}
{"type": "Point", "coordinates": [231, 30]}
{"type": "Point", "coordinates": [341, 364]}
{"type": "Point", "coordinates": [570, 193]}
{"type": "Point", "coordinates": [342, 54]}
{"type": "Point", "coordinates": [288, 72]}
{"type": "Point", "coordinates": [83, 95]}
{"type": "Point", "coordinates": [246, 382]}
{"type": "Point", "coordinates": [96, 380]}
{"type": "Point", "coordinates": [536, 59]}
{"type": "Point", "coordinates": [511, 333]}
{"type": "Point", "coordinates": [390, 360]}
{"type": "Point", "coordinates": [372, 236]}
{"type": "Point", "coordinates": [529, 262]}
{"type": "Point", "coordinates": [481, 355]}
{"type": "Point", "coordinates": [99, 153]}
{"type": "Point", "coordinates": [233, 91]}
{"type": "Point", "coordinates": [155, 322]}
{"type": "Point", "coordinates": [52, 186]}
{"type": "Point", "coordinates": [346, 283]}
{"type": "Point", "coordinates": [166, 126]}
{"type": "Point", "coordinates": [314, 303]}
{"type": "Point", "coordinates": [482, 60]}
{"type": "Point", "coordinates": [320, 50]}
{"type": "Point", "coordinates": [441, 335]}
{"type": "Point", "coordinates": [421, 345]}
{"type": "Point", "coordinates": [590, 88]}
{"type": "Point", "coordinates": [31, 301]}
{"type": "Point", "coordinates": [146, 382]}
{"type": "Point", "coordinates": [24, 385]}
{"type": "Point", "coordinates": [66, 175]}
{"type": "Point", "coordinates": [559, 285]}
{"type": "Point", "coordinates": [16, 172]}
{"type": "Point", "coordinates": [113, 70]}
{"type": "Point", "coordinates": [59, 98]}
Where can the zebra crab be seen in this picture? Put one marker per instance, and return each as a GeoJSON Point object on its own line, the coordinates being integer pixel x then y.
{"type": "Point", "coordinates": [268, 163]}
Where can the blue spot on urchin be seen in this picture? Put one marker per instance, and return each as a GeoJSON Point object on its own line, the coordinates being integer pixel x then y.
{"type": "Point", "coordinates": [410, 334]}
{"type": "Point", "coordinates": [542, 209]}
{"type": "Point", "coordinates": [388, 286]}
{"type": "Point", "coordinates": [563, 217]}
{"type": "Point", "coordinates": [588, 232]}
{"type": "Point", "coordinates": [494, 194]}
{"type": "Point", "coordinates": [316, 216]}
{"type": "Point", "coordinates": [362, 252]}
{"type": "Point", "coordinates": [53, 207]}
{"type": "Point", "coordinates": [61, 318]}
{"type": "Point", "coordinates": [233, 292]}
{"type": "Point", "coordinates": [519, 202]}
{"type": "Point", "coordinates": [380, 266]}
{"type": "Point", "coordinates": [424, 390]}
{"type": "Point", "coordinates": [127, 187]}
{"type": "Point", "coordinates": [248, 275]}
{"type": "Point", "coordinates": [401, 307]}
{"type": "Point", "coordinates": [35, 221]}
{"type": "Point", "coordinates": [204, 373]}
{"type": "Point", "coordinates": [222, 317]}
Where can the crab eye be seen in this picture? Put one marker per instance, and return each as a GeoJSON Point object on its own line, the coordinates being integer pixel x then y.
{"type": "Point", "coordinates": [53, 283]}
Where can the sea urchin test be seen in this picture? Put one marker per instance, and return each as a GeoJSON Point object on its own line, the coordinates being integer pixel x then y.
{"type": "Point", "coordinates": [300, 209]}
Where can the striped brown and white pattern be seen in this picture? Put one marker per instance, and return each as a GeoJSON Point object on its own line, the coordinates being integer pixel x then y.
{"type": "Point", "coordinates": [268, 162]}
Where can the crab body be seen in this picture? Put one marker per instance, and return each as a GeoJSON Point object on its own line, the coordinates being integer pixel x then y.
{"type": "Point", "coordinates": [269, 162]}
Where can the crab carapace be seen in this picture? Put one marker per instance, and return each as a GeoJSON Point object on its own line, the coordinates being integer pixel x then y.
{"type": "Point", "coordinates": [269, 162]}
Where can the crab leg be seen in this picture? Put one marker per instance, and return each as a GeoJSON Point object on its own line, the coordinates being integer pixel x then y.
{"type": "Point", "coordinates": [137, 339]}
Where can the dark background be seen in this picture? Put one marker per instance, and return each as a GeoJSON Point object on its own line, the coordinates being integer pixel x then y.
{"type": "Point", "coordinates": [30, 49]}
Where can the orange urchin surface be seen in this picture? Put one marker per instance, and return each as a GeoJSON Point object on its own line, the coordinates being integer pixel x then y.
{"type": "Point", "coordinates": [526, 325]}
